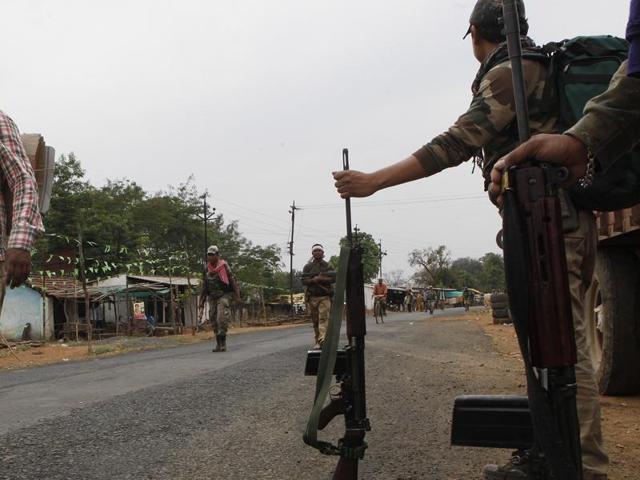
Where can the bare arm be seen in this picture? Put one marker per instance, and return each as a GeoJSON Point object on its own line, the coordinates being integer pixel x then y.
{"type": "Point", "coordinates": [352, 183]}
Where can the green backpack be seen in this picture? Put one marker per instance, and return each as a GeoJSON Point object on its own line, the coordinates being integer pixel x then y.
{"type": "Point", "coordinates": [582, 68]}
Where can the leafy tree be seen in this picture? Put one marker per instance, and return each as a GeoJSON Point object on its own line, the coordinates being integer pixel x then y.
{"type": "Point", "coordinates": [435, 266]}
{"type": "Point", "coordinates": [493, 277]}
{"type": "Point", "coordinates": [370, 255]}
{"type": "Point", "coordinates": [129, 229]}
{"type": "Point", "coordinates": [467, 272]}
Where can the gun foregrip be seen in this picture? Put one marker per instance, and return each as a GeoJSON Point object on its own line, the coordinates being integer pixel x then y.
{"type": "Point", "coordinates": [334, 408]}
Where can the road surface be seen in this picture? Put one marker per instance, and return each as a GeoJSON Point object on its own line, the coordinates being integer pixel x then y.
{"type": "Point", "coordinates": [187, 413]}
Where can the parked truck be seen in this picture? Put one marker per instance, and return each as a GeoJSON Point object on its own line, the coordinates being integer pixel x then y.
{"type": "Point", "coordinates": [613, 303]}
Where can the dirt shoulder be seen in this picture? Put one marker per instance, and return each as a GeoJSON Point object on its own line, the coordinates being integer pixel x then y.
{"type": "Point", "coordinates": [620, 415]}
{"type": "Point", "coordinates": [25, 356]}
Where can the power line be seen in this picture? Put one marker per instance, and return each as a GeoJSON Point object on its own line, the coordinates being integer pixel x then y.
{"type": "Point", "coordinates": [390, 203]}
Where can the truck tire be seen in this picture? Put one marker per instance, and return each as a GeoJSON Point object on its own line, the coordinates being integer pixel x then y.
{"type": "Point", "coordinates": [613, 321]}
{"type": "Point", "coordinates": [499, 297]}
{"type": "Point", "coordinates": [500, 312]}
{"type": "Point", "coordinates": [499, 305]}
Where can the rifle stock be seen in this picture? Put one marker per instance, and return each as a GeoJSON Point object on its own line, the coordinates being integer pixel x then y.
{"type": "Point", "coordinates": [346, 469]}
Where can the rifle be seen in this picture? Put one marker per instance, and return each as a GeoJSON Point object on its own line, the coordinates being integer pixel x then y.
{"type": "Point", "coordinates": [538, 288]}
{"type": "Point", "coordinates": [346, 364]}
{"type": "Point", "coordinates": [332, 275]}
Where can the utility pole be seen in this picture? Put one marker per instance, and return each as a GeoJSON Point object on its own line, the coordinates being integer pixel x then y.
{"type": "Point", "coordinates": [205, 217]}
{"type": "Point", "coordinates": [292, 211]}
{"type": "Point", "coordinates": [381, 254]}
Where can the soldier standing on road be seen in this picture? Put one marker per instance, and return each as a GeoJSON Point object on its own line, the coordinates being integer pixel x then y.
{"type": "Point", "coordinates": [467, 298]}
{"type": "Point", "coordinates": [485, 133]}
{"type": "Point", "coordinates": [319, 292]}
{"type": "Point", "coordinates": [20, 222]}
{"type": "Point", "coordinates": [219, 287]}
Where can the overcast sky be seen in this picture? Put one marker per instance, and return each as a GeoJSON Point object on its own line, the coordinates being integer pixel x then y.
{"type": "Point", "coordinates": [257, 98]}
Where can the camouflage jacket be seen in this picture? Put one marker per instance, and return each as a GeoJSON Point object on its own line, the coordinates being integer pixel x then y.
{"type": "Point", "coordinates": [213, 287]}
{"type": "Point", "coordinates": [315, 289]}
{"type": "Point", "coordinates": [488, 130]}
{"type": "Point", "coordinates": [611, 124]}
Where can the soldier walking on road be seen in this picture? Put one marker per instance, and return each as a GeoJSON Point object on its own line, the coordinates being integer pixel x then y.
{"type": "Point", "coordinates": [219, 287]}
{"type": "Point", "coordinates": [319, 292]}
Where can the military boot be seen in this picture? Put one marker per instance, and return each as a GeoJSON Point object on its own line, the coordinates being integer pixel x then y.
{"type": "Point", "coordinates": [523, 465]}
{"type": "Point", "coordinates": [218, 347]}
{"type": "Point", "coordinates": [223, 343]}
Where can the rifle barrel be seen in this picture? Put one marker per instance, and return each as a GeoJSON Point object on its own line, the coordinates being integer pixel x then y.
{"type": "Point", "coordinates": [347, 201]}
{"type": "Point", "coordinates": [514, 47]}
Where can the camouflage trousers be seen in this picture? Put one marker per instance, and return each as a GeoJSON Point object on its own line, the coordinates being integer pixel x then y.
{"type": "Point", "coordinates": [220, 314]}
{"type": "Point", "coordinates": [580, 248]}
{"type": "Point", "coordinates": [320, 308]}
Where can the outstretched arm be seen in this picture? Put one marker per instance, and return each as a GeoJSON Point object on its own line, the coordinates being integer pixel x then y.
{"type": "Point", "coordinates": [352, 183]}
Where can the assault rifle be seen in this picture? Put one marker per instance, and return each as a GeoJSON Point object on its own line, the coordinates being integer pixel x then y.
{"type": "Point", "coordinates": [346, 364]}
{"type": "Point", "coordinates": [330, 275]}
{"type": "Point", "coordinates": [537, 282]}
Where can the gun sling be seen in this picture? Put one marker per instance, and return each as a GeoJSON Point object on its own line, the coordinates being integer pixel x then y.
{"type": "Point", "coordinates": [327, 361]}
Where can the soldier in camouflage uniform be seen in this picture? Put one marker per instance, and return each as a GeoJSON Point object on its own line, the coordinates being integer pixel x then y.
{"type": "Point", "coordinates": [486, 132]}
{"type": "Point", "coordinates": [219, 288]}
{"type": "Point", "coordinates": [319, 292]}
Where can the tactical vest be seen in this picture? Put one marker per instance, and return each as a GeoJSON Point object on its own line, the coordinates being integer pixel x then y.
{"type": "Point", "coordinates": [216, 287]}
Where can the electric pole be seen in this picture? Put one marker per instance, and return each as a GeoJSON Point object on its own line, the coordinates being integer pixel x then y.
{"type": "Point", "coordinates": [381, 254]}
{"type": "Point", "coordinates": [292, 211]}
{"type": "Point", "coordinates": [205, 217]}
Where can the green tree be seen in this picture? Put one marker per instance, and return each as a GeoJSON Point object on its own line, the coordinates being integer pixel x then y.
{"type": "Point", "coordinates": [129, 229]}
{"type": "Point", "coordinates": [434, 266]}
{"type": "Point", "coordinates": [467, 272]}
{"type": "Point", "coordinates": [370, 254]}
{"type": "Point", "coordinates": [493, 277]}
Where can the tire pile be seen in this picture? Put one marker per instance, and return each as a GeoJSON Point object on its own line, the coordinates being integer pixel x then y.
{"type": "Point", "coordinates": [500, 308]}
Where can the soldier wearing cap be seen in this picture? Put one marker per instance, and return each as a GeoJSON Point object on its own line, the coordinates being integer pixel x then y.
{"type": "Point", "coordinates": [319, 292]}
{"type": "Point", "coordinates": [218, 288]}
{"type": "Point", "coordinates": [484, 133]}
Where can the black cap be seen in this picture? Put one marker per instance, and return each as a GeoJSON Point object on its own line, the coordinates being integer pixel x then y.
{"type": "Point", "coordinates": [487, 16]}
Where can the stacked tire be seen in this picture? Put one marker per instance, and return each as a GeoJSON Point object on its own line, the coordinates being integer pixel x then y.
{"type": "Point", "coordinates": [500, 308]}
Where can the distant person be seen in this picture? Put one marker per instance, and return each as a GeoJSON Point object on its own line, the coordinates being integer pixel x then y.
{"type": "Point", "coordinates": [219, 288]}
{"type": "Point", "coordinates": [467, 298]}
{"type": "Point", "coordinates": [419, 302]}
{"type": "Point", "coordinates": [380, 291]}
{"type": "Point", "coordinates": [484, 133]}
{"type": "Point", "coordinates": [408, 300]}
{"type": "Point", "coordinates": [20, 222]}
{"type": "Point", "coordinates": [319, 292]}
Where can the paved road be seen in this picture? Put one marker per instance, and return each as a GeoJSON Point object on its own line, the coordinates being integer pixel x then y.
{"type": "Point", "coordinates": [185, 413]}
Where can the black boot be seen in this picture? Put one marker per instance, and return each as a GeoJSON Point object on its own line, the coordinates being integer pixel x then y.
{"type": "Point", "coordinates": [218, 347]}
{"type": "Point", "coordinates": [223, 343]}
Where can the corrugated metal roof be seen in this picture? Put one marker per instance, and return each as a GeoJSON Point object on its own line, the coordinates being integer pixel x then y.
{"type": "Point", "coordinates": [182, 281]}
